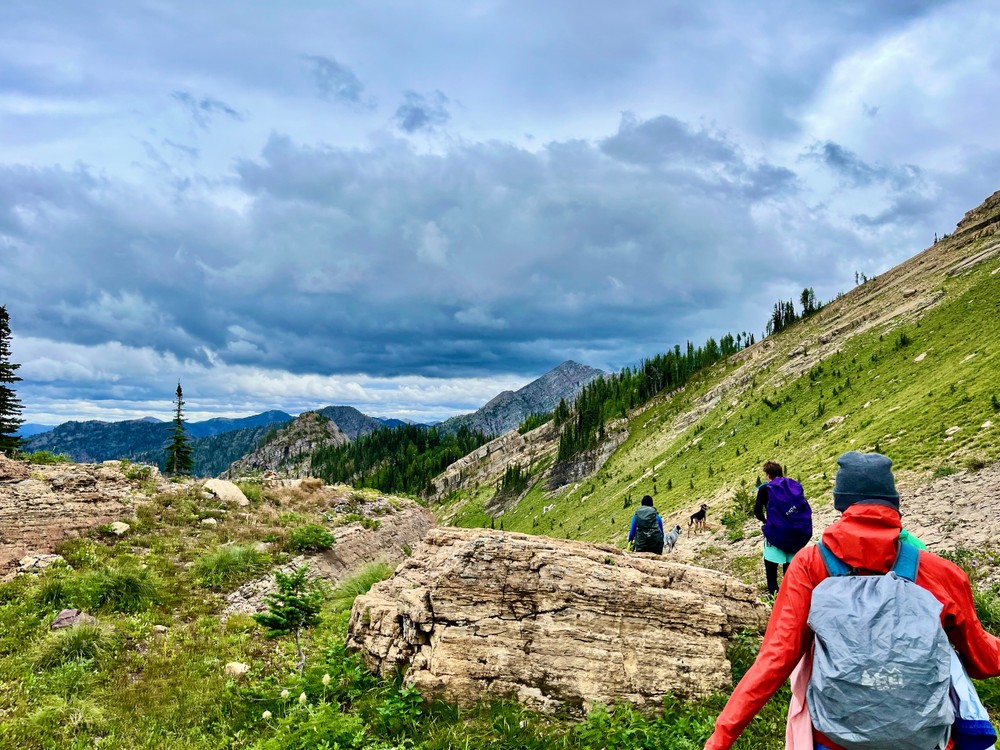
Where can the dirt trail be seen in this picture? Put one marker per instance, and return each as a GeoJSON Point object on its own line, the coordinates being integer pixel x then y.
{"type": "Point", "coordinates": [956, 512]}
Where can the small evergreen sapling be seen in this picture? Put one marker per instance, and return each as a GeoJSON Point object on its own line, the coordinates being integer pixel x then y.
{"type": "Point", "coordinates": [294, 606]}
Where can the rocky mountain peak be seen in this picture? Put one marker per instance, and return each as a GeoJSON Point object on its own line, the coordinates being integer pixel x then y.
{"type": "Point", "coordinates": [289, 450]}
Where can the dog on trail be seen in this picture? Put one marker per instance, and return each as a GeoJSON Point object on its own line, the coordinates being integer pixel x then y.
{"type": "Point", "coordinates": [671, 539]}
{"type": "Point", "coordinates": [698, 519]}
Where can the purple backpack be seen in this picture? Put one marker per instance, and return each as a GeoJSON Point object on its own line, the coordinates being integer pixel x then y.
{"type": "Point", "coordinates": [789, 525]}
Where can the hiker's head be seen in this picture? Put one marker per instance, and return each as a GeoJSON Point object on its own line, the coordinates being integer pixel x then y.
{"type": "Point", "coordinates": [864, 478]}
{"type": "Point", "coordinates": [647, 500]}
{"type": "Point", "coordinates": [773, 469]}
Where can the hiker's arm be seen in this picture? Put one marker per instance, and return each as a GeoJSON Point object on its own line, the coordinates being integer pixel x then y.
{"type": "Point", "coordinates": [660, 522]}
{"type": "Point", "coordinates": [786, 639]}
{"type": "Point", "coordinates": [631, 532]}
{"type": "Point", "coordinates": [979, 650]}
{"type": "Point", "coordinates": [758, 507]}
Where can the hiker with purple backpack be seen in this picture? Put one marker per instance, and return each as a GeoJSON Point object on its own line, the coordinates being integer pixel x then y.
{"type": "Point", "coordinates": [783, 509]}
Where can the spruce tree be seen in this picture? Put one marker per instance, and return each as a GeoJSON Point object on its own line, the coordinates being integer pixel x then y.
{"type": "Point", "coordinates": [10, 405]}
{"type": "Point", "coordinates": [295, 605]}
{"type": "Point", "coordinates": [179, 453]}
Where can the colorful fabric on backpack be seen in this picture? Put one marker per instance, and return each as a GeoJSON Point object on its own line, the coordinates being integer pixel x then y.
{"type": "Point", "coordinates": [789, 517]}
{"type": "Point", "coordinates": [882, 662]}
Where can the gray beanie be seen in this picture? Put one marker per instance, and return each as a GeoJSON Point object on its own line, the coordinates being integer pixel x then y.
{"type": "Point", "coordinates": [864, 478]}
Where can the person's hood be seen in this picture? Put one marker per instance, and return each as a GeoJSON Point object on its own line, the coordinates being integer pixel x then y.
{"type": "Point", "coordinates": [865, 537]}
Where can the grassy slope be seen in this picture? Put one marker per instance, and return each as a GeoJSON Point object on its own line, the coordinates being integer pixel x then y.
{"type": "Point", "coordinates": [889, 401]}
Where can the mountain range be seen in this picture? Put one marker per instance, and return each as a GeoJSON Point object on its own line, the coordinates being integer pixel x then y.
{"type": "Point", "coordinates": [221, 441]}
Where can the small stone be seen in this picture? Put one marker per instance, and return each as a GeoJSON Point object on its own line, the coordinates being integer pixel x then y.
{"type": "Point", "coordinates": [209, 522]}
{"type": "Point", "coordinates": [952, 430]}
{"type": "Point", "coordinates": [236, 669]}
{"type": "Point", "coordinates": [69, 618]}
{"type": "Point", "coordinates": [38, 563]}
{"type": "Point", "coordinates": [160, 629]}
{"type": "Point", "coordinates": [119, 527]}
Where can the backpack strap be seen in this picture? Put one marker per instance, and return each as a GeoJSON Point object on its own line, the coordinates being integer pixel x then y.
{"type": "Point", "coordinates": [906, 564]}
{"type": "Point", "coordinates": [907, 561]}
{"type": "Point", "coordinates": [834, 565]}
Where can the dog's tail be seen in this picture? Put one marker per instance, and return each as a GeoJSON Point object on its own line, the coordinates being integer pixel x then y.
{"type": "Point", "coordinates": [690, 520]}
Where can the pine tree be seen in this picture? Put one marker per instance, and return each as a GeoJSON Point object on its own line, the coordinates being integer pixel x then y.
{"type": "Point", "coordinates": [294, 606]}
{"type": "Point", "coordinates": [10, 405]}
{"type": "Point", "coordinates": [180, 458]}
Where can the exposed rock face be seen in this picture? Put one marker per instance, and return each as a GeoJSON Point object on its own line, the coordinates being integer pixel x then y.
{"type": "Point", "coordinates": [399, 531]}
{"type": "Point", "coordinates": [556, 624]}
{"type": "Point", "coordinates": [487, 463]}
{"type": "Point", "coordinates": [40, 505]}
{"type": "Point", "coordinates": [290, 451]}
{"type": "Point", "coordinates": [507, 410]}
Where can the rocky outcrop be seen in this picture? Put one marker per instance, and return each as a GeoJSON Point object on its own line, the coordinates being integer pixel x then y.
{"type": "Point", "coordinates": [508, 409]}
{"type": "Point", "coordinates": [398, 527]}
{"type": "Point", "coordinates": [487, 463]}
{"type": "Point", "coordinates": [289, 452]}
{"type": "Point", "coordinates": [41, 505]}
{"type": "Point", "coordinates": [556, 624]}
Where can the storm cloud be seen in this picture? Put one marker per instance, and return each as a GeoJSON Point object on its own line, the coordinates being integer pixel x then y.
{"type": "Point", "coordinates": [294, 213]}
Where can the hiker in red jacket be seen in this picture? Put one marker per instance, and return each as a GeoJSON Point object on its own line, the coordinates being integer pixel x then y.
{"type": "Point", "coordinates": [866, 538]}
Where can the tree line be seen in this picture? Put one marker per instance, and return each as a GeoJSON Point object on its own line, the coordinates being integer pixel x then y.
{"type": "Point", "coordinates": [400, 460]}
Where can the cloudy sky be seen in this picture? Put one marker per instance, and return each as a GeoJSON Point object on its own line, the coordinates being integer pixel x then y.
{"type": "Point", "coordinates": [410, 205]}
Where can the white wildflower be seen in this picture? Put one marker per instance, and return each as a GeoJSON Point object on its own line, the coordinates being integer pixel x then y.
{"type": "Point", "coordinates": [326, 680]}
{"type": "Point", "coordinates": [303, 699]}
{"type": "Point", "coordinates": [266, 715]}
{"type": "Point", "coordinates": [284, 694]}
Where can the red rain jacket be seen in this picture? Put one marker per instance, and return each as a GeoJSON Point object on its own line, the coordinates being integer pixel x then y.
{"type": "Point", "coordinates": [864, 537]}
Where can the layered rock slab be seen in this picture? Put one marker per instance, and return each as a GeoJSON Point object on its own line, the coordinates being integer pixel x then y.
{"type": "Point", "coordinates": [555, 624]}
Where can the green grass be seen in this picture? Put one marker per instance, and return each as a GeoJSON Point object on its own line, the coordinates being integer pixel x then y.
{"type": "Point", "coordinates": [889, 401]}
{"type": "Point", "coordinates": [228, 567]}
{"type": "Point", "coordinates": [356, 585]}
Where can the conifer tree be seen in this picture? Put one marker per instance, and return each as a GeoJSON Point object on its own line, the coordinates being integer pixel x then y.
{"type": "Point", "coordinates": [294, 606]}
{"type": "Point", "coordinates": [10, 405]}
{"type": "Point", "coordinates": [180, 458]}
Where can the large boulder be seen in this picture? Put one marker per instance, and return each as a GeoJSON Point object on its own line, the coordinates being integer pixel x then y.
{"type": "Point", "coordinates": [556, 624]}
{"type": "Point", "coordinates": [227, 492]}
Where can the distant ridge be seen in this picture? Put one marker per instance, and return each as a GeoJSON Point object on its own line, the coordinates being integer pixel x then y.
{"type": "Point", "coordinates": [140, 439]}
{"type": "Point", "coordinates": [508, 409]}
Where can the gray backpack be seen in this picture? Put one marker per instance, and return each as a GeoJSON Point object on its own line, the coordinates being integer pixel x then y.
{"type": "Point", "coordinates": [882, 662]}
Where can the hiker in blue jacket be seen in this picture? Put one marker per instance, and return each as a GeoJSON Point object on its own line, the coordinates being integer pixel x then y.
{"type": "Point", "coordinates": [782, 508]}
{"type": "Point", "coordinates": [647, 528]}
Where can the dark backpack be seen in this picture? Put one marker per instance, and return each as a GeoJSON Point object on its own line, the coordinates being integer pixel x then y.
{"type": "Point", "coordinates": [789, 524]}
{"type": "Point", "coordinates": [648, 537]}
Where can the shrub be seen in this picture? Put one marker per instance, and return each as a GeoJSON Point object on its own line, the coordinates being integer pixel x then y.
{"type": "Point", "coordinates": [137, 472]}
{"type": "Point", "coordinates": [227, 566]}
{"type": "Point", "coordinates": [310, 538]}
{"type": "Point", "coordinates": [71, 644]}
{"type": "Point", "coordinates": [317, 726]}
{"type": "Point", "coordinates": [944, 471]}
{"type": "Point", "coordinates": [359, 583]}
{"type": "Point", "coordinates": [252, 490]}
{"type": "Point", "coordinates": [975, 463]}
{"type": "Point", "coordinates": [47, 458]}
